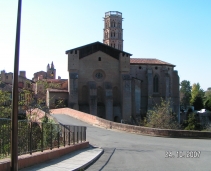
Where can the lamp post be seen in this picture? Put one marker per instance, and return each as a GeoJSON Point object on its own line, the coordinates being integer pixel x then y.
{"type": "Point", "coordinates": [14, 118]}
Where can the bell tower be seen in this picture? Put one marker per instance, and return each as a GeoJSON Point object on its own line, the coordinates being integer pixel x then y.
{"type": "Point", "coordinates": [113, 32]}
{"type": "Point", "coordinates": [51, 71]}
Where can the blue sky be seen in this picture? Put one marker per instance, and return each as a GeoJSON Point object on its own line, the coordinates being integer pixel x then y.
{"type": "Point", "coordinates": [175, 31]}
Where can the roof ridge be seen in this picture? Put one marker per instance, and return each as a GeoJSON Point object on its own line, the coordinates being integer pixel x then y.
{"type": "Point", "coordinates": [149, 61]}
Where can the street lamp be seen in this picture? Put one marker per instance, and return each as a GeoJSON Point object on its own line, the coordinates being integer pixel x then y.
{"type": "Point", "coordinates": [14, 118]}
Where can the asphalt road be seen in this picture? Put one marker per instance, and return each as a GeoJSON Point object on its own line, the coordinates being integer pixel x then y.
{"type": "Point", "coordinates": [130, 152]}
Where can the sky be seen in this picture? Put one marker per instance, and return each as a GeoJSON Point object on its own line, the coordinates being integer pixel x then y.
{"type": "Point", "coordinates": [174, 31]}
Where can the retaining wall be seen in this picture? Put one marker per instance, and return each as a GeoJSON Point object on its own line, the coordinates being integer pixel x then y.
{"type": "Point", "coordinates": [40, 157]}
{"type": "Point", "coordinates": [131, 128]}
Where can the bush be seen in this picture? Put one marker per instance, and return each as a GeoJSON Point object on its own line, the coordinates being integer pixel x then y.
{"type": "Point", "coordinates": [162, 117]}
{"type": "Point", "coordinates": [191, 123]}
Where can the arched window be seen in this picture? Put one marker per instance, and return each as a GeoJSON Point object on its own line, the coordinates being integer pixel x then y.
{"type": "Point", "coordinates": [99, 58]}
{"type": "Point", "coordinates": [155, 84]}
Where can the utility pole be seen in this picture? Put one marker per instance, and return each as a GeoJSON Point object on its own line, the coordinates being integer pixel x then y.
{"type": "Point", "coordinates": [14, 117]}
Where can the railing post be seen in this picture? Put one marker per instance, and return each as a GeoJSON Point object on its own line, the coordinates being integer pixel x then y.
{"type": "Point", "coordinates": [81, 133]}
{"type": "Point", "coordinates": [30, 138]}
{"type": "Point", "coordinates": [42, 138]}
{"type": "Point", "coordinates": [58, 135]}
{"type": "Point", "coordinates": [77, 134]}
{"type": "Point", "coordinates": [69, 136]}
{"type": "Point", "coordinates": [73, 135]}
{"type": "Point", "coordinates": [64, 136]}
{"type": "Point", "coordinates": [51, 137]}
{"type": "Point", "coordinates": [9, 137]}
{"type": "Point", "coordinates": [85, 134]}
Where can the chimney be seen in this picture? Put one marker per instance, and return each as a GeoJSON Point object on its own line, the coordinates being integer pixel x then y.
{"type": "Point", "coordinates": [3, 75]}
{"type": "Point", "coordinates": [59, 78]}
{"type": "Point", "coordinates": [23, 74]}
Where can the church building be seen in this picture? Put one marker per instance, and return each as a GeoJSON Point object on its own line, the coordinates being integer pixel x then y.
{"type": "Point", "coordinates": [106, 81]}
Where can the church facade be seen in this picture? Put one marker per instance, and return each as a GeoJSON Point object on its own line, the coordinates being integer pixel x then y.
{"type": "Point", "coordinates": [105, 81]}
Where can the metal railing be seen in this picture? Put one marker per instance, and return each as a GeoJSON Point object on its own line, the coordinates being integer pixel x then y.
{"type": "Point", "coordinates": [39, 136]}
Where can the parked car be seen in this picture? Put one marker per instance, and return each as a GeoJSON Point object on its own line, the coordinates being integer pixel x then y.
{"type": "Point", "coordinates": [203, 111]}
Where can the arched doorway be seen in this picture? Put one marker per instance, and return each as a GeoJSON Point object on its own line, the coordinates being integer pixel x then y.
{"type": "Point", "coordinates": [116, 119]}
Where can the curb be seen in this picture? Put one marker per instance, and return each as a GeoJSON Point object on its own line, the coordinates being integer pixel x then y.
{"type": "Point", "coordinates": [86, 165]}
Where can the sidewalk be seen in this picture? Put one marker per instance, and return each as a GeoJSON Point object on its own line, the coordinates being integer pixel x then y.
{"type": "Point", "coordinates": [75, 161]}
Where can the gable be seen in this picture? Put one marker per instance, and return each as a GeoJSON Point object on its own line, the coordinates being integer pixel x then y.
{"type": "Point", "coordinates": [97, 46]}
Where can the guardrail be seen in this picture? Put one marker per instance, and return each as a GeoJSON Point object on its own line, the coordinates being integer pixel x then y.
{"type": "Point", "coordinates": [39, 136]}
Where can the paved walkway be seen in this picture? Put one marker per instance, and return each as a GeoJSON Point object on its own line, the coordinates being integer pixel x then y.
{"type": "Point", "coordinates": [77, 160]}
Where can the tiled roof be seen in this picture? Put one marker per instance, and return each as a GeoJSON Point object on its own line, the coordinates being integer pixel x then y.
{"type": "Point", "coordinates": [148, 61]}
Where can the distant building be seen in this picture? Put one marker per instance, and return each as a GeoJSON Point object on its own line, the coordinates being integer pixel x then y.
{"type": "Point", "coordinates": [23, 82]}
{"type": "Point", "coordinates": [48, 89]}
{"type": "Point", "coordinates": [49, 74]}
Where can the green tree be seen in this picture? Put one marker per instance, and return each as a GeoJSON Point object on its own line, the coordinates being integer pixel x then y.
{"type": "Point", "coordinates": [162, 116]}
{"type": "Point", "coordinates": [5, 104]}
{"type": "Point", "coordinates": [191, 123]}
{"type": "Point", "coordinates": [207, 100]}
{"type": "Point", "coordinates": [197, 96]}
{"type": "Point", "coordinates": [185, 93]}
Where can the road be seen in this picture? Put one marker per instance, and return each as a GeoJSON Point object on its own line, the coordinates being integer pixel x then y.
{"type": "Point", "coordinates": [130, 152]}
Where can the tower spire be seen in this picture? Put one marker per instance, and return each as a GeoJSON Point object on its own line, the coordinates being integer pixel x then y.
{"type": "Point", "coordinates": [113, 32]}
{"type": "Point", "coordinates": [52, 65]}
{"type": "Point", "coordinates": [48, 67]}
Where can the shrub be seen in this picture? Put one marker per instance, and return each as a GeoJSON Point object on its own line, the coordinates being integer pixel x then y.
{"type": "Point", "coordinates": [162, 116]}
{"type": "Point", "coordinates": [191, 123]}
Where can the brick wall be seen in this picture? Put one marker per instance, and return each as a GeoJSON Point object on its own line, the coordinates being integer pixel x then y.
{"type": "Point", "coordinates": [40, 157]}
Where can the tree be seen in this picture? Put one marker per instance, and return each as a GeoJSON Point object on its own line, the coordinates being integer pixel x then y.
{"type": "Point", "coordinates": [185, 93]}
{"type": "Point", "coordinates": [197, 96]}
{"type": "Point", "coordinates": [5, 104]}
{"type": "Point", "coordinates": [191, 123]}
{"type": "Point", "coordinates": [207, 100]}
{"type": "Point", "coordinates": [162, 116]}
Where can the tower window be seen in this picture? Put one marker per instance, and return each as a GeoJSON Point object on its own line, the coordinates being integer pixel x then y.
{"type": "Point", "coordinates": [99, 58]}
{"type": "Point", "coordinates": [139, 67]}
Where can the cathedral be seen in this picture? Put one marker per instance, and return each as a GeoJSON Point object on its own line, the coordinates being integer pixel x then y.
{"type": "Point", "coordinates": [107, 82]}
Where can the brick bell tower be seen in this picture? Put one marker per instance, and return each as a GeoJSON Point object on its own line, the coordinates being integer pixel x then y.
{"type": "Point", "coordinates": [113, 32]}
